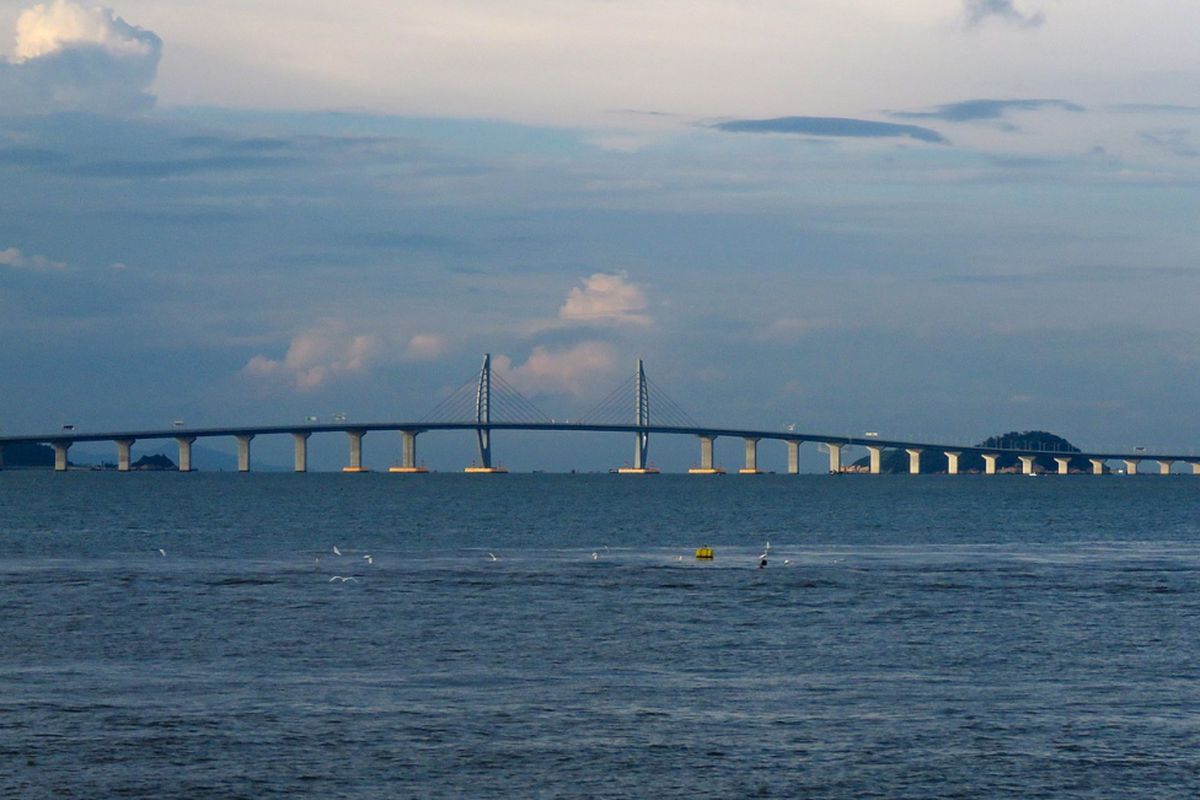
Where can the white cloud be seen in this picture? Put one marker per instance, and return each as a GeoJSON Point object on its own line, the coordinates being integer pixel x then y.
{"type": "Point", "coordinates": [606, 298]}
{"type": "Point", "coordinates": [571, 370]}
{"type": "Point", "coordinates": [12, 257]}
{"type": "Point", "coordinates": [70, 57]}
{"type": "Point", "coordinates": [425, 347]}
{"type": "Point", "coordinates": [318, 355]}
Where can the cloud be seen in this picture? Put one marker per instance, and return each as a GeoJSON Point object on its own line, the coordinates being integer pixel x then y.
{"type": "Point", "coordinates": [425, 347]}
{"type": "Point", "coordinates": [70, 57]}
{"type": "Point", "coordinates": [1176, 141]}
{"type": "Point", "coordinates": [608, 299]}
{"type": "Point", "coordinates": [570, 370]}
{"type": "Point", "coordinates": [979, 11]}
{"type": "Point", "coordinates": [831, 126]}
{"type": "Point", "coordinates": [318, 355]}
{"type": "Point", "coordinates": [983, 109]}
{"type": "Point", "coordinates": [12, 257]}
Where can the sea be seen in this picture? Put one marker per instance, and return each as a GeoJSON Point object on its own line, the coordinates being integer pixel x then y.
{"type": "Point", "coordinates": [217, 635]}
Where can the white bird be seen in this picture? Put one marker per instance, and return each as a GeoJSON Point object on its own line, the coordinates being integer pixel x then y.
{"type": "Point", "coordinates": [369, 559]}
{"type": "Point", "coordinates": [787, 561]}
{"type": "Point", "coordinates": [595, 556]}
{"type": "Point", "coordinates": [336, 552]}
{"type": "Point", "coordinates": [162, 552]}
{"type": "Point", "coordinates": [492, 556]}
{"type": "Point", "coordinates": [343, 580]}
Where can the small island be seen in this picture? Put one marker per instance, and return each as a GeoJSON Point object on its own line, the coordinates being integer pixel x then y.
{"type": "Point", "coordinates": [935, 461]}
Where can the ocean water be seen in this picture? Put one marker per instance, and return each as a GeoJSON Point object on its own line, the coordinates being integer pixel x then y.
{"type": "Point", "coordinates": [911, 637]}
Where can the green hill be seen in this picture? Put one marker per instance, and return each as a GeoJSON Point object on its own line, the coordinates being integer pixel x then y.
{"type": "Point", "coordinates": [934, 459]}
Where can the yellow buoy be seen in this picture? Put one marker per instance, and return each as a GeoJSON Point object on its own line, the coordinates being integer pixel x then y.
{"type": "Point", "coordinates": [704, 553]}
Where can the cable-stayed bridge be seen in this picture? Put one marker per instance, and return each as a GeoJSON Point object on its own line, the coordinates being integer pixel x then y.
{"type": "Point", "coordinates": [488, 403]}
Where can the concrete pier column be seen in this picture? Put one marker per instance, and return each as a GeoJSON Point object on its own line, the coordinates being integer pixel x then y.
{"type": "Point", "coordinates": [751, 467]}
{"type": "Point", "coordinates": [835, 457]}
{"type": "Point", "coordinates": [914, 460]}
{"type": "Point", "coordinates": [1195, 467]}
{"type": "Point", "coordinates": [243, 442]}
{"type": "Point", "coordinates": [1164, 467]}
{"type": "Point", "coordinates": [1097, 466]}
{"type": "Point", "coordinates": [1027, 464]}
{"type": "Point", "coordinates": [876, 453]}
{"type": "Point", "coordinates": [356, 438]}
{"type": "Point", "coordinates": [185, 452]}
{"type": "Point", "coordinates": [408, 449]}
{"type": "Point", "coordinates": [706, 457]}
{"type": "Point", "coordinates": [1131, 465]}
{"type": "Point", "coordinates": [952, 461]}
{"type": "Point", "coordinates": [300, 451]}
{"type": "Point", "coordinates": [1064, 465]}
{"type": "Point", "coordinates": [793, 448]}
{"type": "Point", "coordinates": [124, 446]}
{"type": "Point", "coordinates": [60, 455]}
{"type": "Point", "coordinates": [989, 463]}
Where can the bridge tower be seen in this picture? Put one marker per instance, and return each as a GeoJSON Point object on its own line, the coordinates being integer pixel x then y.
{"type": "Point", "coordinates": [643, 419]}
{"type": "Point", "coordinates": [483, 413]}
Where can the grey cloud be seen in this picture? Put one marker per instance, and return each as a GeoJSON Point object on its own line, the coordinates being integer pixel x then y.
{"type": "Point", "coordinates": [82, 77]}
{"type": "Point", "coordinates": [832, 126]}
{"type": "Point", "coordinates": [1154, 108]}
{"type": "Point", "coordinates": [980, 10]}
{"type": "Point", "coordinates": [1177, 141]}
{"type": "Point", "coordinates": [985, 109]}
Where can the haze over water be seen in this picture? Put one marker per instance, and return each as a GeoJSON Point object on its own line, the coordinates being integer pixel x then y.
{"type": "Point", "coordinates": [931, 637]}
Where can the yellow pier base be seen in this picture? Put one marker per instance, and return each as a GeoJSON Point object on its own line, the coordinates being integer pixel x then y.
{"type": "Point", "coordinates": [750, 472]}
{"type": "Point", "coordinates": [486, 470]}
{"type": "Point", "coordinates": [638, 471]}
{"type": "Point", "coordinates": [409, 470]}
{"type": "Point", "coordinates": [355, 469]}
{"type": "Point", "coordinates": [705, 471]}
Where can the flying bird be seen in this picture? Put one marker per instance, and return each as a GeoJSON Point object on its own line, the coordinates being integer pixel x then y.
{"type": "Point", "coordinates": [343, 579]}
{"type": "Point", "coordinates": [369, 559]}
{"type": "Point", "coordinates": [492, 556]}
{"type": "Point", "coordinates": [336, 552]}
{"type": "Point", "coordinates": [162, 552]}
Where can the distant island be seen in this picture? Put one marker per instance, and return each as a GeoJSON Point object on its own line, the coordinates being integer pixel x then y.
{"type": "Point", "coordinates": [28, 455]}
{"type": "Point", "coordinates": [934, 459]}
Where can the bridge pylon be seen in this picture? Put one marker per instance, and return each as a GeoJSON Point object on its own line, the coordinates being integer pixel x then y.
{"type": "Point", "coordinates": [641, 450]}
{"type": "Point", "coordinates": [483, 419]}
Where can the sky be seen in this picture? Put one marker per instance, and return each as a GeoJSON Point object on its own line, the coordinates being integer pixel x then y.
{"type": "Point", "coordinates": [939, 219]}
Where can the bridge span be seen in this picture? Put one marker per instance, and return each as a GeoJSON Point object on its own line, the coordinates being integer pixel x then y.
{"type": "Point", "coordinates": [482, 424]}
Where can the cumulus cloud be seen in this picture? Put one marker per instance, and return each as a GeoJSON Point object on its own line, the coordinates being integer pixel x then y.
{"type": "Point", "coordinates": [832, 127]}
{"type": "Point", "coordinates": [569, 370]}
{"type": "Point", "coordinates": [71, 57]}
{"type": "Point", "coordinates": [12, 257]}
{"type": "Point", "coordinates": [980, 10]}
{"type": "Point", "coordinates": [607, 299]}
{"type": "Point", "coordinates": [317, 356]}
{"type": "Point", "coordinates": [984, 109]}
{"type": "Point", "coordinates": [425, 347]}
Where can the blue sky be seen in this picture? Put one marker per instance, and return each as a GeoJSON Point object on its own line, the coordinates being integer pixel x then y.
{"type": "Point", "coordinates": [940, 219]}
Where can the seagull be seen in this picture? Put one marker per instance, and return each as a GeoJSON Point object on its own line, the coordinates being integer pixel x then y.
{"type": "Point", "coordinates": [679, 558]}
{"type": "Point", "coordinates": [369, 559]}
{"type": "Point", "coordinates": [492, 556]}
{"type": "Point", "coordinates": [162, 552]}
{"type": "Point", "coordinates": [336, 552]}
{"type": "Point", "coordinates": [595, 556]}
{"type": "Point", "coordinates": [343, 580]}
{"type": "Point", "coordinates": [787, 561]}
{"type": "Point", "coordinates": [762, 560]}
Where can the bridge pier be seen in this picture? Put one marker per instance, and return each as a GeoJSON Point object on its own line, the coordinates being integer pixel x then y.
{"type": "Point", "coordinates": [408, 454]}
{"type": "Point", "coordinates": [300, 451]}
{"type": "Point", "coordinates": [60, 455]}
{"type": "Point", "coordinates": [876, 453]}
{"type": "Point", "coordinates": [914, 460]}
{"type": "Point", "coordinates": [185, 452]}
{"type": "Point", "coordinates": [952, 461]}
{"type": "Point", "coordinates": [793, 455]}
{"type": "Point", "coordinates": [1064, 465]}
{"type": "Point", "coordinates": [1131, 465]}
{"type": "Point", "coordinates": [1027, 464]}
{"type": "Point", "coordinates": [751, 467]}
{"type": "Point", "coordinates": [1164, 466]}
{"type": "Point", "coordinates": [356, 437]}
{"type": "Point", "coordinates": [243, 445]}
{"type": "Point", "coordinates": [1195, 467]}
{"type": "Point", "coordinates": [989, 463]}
{"type": "Point", "coordinates": [706, 458]}
{"type": "Point", "coordinates": [835, 457]}
{"type": "Point", "coordinates": [124, 447]}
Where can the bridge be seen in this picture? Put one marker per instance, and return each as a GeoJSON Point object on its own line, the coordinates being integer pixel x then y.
{"type": "Point", "coordinates": [488, 404]}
